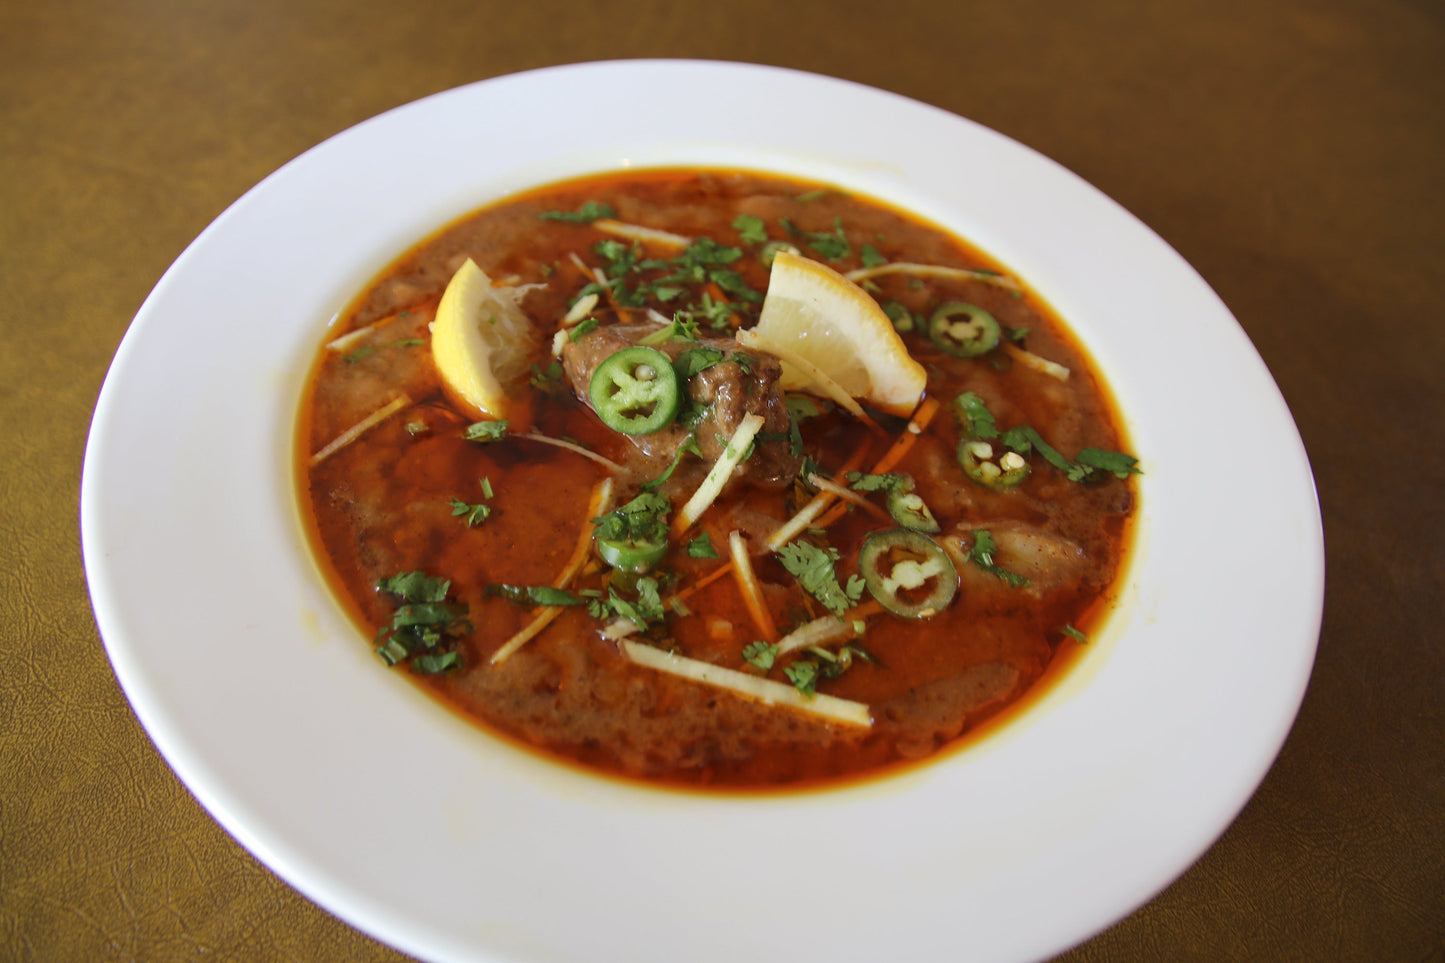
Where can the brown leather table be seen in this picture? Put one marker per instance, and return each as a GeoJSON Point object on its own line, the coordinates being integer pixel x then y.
{"type": "Point", "coordinates": [1293, 152]}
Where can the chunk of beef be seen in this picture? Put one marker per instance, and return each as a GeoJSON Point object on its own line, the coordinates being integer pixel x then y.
{"type": "Point", "coordinates": [743, 383]}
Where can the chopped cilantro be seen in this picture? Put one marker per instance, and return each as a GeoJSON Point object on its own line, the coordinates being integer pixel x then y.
{"type": "Point", "coordinates": [715, 313]}
{"type": "Point", "coordinates": [636, 281]}
{"type": "Point", "coordinates": [533, 594]}
{"type": "Point", "coordinates": [646, 609]}
{"type": "Point", "coordinates": [689, 446]}
{"type": "Point", "coordinates": [692, 361]}
{"type": "Point", "coordinates": [750, 229]}
{"type": "Point", "coordinates": [423, 625]}
{"type": "Point", "coordinates": [761, 655]}
{"type": "Point", "coordinates": [433, 663]}
{"type": "Point", "coordinates": [814, 568]}
{"type": "Point", "coordinates": [485, 431]}
{"type": "Point", "coordinates": [981, 555]}
{"type": "Point", "coordinates": [1025, 439]}
{"type": "Point", "coordinates": [891, 482]}
{"type": "Point", "coordinates": [644, 519]}
{"type": "Point", "coordinates": [474, 515]}
{"type": "Point", "coordinates": [801, 406]}
{"type": "Point", "coordinates": [701, 547]}
{"type": "Point", "coordinates": [870, 256]}
{"type": "Point", "coordinates": [589, 211]}
{"type": "Point", "coordinates": [803, 674]}
{"type": "Point", "coordinates": [582, 328]}
{"type": "Point", "coordinates": [546, 380]}
{"type": "Point", "coordinates": [416, 587]}
{"type": "Point", "coordinates": [833, 244]}
{"type": "Point", "coordinates": [1075, 634]}
{"type": "Point", "coordinates": [682, 328]}
{"type": "Point", "coordinates": [974, 417]}
{"type": "Point", "coordinates": [1120, 464]}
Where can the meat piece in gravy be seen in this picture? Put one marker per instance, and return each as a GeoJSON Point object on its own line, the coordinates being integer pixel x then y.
{"type": "Point", "coordinates": [742, 383]}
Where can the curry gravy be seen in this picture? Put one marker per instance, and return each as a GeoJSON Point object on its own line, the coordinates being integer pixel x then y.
{"type": "Point", "coordinates": [383, 504]}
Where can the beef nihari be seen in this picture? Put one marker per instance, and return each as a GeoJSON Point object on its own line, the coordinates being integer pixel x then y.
{"type": "Point", "coordinates": [714, 478]}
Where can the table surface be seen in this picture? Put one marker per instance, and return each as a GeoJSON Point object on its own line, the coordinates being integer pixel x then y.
{"type": "Point", "coordinates": [1291, 151]}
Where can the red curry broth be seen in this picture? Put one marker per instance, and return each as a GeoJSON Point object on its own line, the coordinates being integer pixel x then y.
{"type": "Point", "coordinates": [383, 504]}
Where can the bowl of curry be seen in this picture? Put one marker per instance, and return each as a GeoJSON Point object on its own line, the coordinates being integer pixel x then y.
{"type": "Point", "coordinates": [682, 652]}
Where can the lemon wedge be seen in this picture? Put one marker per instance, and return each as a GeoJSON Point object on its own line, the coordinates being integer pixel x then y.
{"type": "Point", "coordinates": [481, 343]}
{"type": "Point", "coordinates": [821, 317]}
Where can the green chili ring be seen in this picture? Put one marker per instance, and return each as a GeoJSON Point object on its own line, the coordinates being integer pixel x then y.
{"type": "Point", "coordinates": [909, 510]}
{"type": "Point", "coordinates": [975, 458]}
{"type": "Point", "coordinates": [908, 573]}
{"type": "Point", "coordinates": [969, 338]}
{"type": "Point", "coordinates": [631, 555]}
{"type": "Point", "coordinates": [635, 391]}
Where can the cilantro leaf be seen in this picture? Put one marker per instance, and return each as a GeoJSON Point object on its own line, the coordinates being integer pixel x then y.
{"type": "Point", "coordinates": [485, 431]}
{"type": "Point", "coordinates": [1120, 464]}
{"type": "Point", "coordinates": [1025, 438]}
{"type": "Point", "coordinates": [643, 519]}
{"type": "Point", "coordinates": [546, 380]}
{"type": "Point", "coordinates": [890, 482]}
{"type": "Point", "coordinates": [981, 555]}
{"type": "Point", "coordinates": [416, 587]}
{"type": "Point", "coordinates": [814, 569]}
{"type": "Point", "coordinates": [833, 244]}
{"type": "Point", "coordinates": [688, 446]}
{"type": "Point", "coordinates": [589, 211]}
{"type": "Point", "coordinates": [692, 361]}
{"type": "Point", "coordinates": [474, 515]}
{"type": "Point", "coordinates": [422, 624]}
{"type": "Point", "coordinates": [701, 547]}
{"type": "Point", "coordinates": [803, 674]}
{"type": "Point", "coordinates": [646, 609]}
{"type": "Point", "coordinates": [975, 419]}
{"type": "Point", "coordinates": [750, 229]}
{"type": "Point", "coordinates": [761, 655]}
{"type": "Point", "coordinates": [533, 594]}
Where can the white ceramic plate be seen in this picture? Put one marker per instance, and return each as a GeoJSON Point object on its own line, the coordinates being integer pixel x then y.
{"type": "Point", "coordinates": [451, 845]}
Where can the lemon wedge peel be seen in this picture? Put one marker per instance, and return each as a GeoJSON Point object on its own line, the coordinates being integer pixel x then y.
{"type": "Point", "coordinates": [811, 375]}
{"type": "Point", "coordinates": [815, 313]}
{"type": "Point", "coordinates": [481, 342]}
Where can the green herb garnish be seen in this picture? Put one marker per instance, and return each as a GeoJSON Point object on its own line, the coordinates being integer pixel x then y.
{"type": "Point", "coordinates": [815, 570]}
{"type": "Point", "coordinates": [485, 431]}
{"type": "Point", "coordinates": [981, 555]}
{"type": "Point", "coordinates": [701, 547]}
{"type": "Point", "coordinates": [761, 655]}
{"type": "Point", "coordinates": [423, 625]}
{"type": "Point", "coordinates": [533, 594]}
{"type": "Point", "coordinates": [589, 211]}
{"type": "Point", "coordinates": [751, 230]}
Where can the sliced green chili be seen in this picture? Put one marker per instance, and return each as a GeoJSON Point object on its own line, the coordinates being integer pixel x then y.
{"type": "Point", "coordinates": [635, 391]}
{"type": "Point", "coordinates": [908, 573]}
{"type": "Point", "coordinates": [977, 460]}
{"type": "Point", "coordinates": [976, 334]}
{"type": "Point", "coordinates": [631, 554]}
{"type": "Point", "coordinates": [908, 509]}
